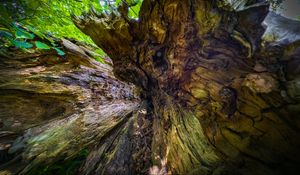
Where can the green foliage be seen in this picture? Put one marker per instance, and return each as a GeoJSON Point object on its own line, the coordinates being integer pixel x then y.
{"type": "Point", "coordinates": [54, 17]}
{"type": "Point", "coordinates": [19, 37]}
{"type": "Point", "coordinates": [135, 10]}
{"type": "Point", "coordinates": [45, 18]}
{"type": "Point", "coordinates": [59, 52]}
{"type": "Point", "coordinates": [21, 44]}
{"type": "Point", "coordinates": [21, 33]}
{"type": "Point", "coordinates": [41, 45]}
{"type": "Point", "coordinates": [39, 34]}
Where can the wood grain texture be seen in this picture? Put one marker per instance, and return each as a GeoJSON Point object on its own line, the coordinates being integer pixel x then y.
{"type": "Point", "coordinates": [221, 96]}
{"type": "Point", "coordinates": [52, 107]}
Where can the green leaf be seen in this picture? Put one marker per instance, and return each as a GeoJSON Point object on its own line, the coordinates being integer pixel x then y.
{"type": "Point", "coordinates": [21, 44]}
{"type": "Point", "coordinates": [59, 52]}
{"type": "Point", "coordinates": [41, 45]}
{"type": "Point", "coordinates": [20, 33]}
{"type": "Point", "coordinates": [38, 33]}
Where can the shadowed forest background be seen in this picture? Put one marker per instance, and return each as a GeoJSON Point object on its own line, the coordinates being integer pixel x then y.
{"type": "Point", "coordinates": [159, 87]}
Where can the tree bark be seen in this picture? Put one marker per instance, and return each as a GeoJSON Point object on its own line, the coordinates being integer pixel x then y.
{"type": "Point", "coordinates": [224, 95]}
{"type": "Point", "coordinates": [219, 95]}
{"type": "Point", "coordinates": [53, 108]}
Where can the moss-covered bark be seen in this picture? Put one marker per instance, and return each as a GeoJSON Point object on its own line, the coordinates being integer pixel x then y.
{"type": "Point", "coordinates": [224, 100]}
{"type": "Point", "coordinates": [53, 107]}
{"type": "Point", "coordinates": [220, 95]}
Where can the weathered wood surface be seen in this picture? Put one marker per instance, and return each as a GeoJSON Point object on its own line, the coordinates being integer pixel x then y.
{"type": "Point", "coordinates": [220, 94]}
{"type": "Point", "coordinates": [52, 107]}
{"type": "Point", "coordinates": [223, 99]}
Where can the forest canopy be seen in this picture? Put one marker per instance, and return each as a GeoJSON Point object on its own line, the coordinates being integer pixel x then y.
{"type": "Point", "coordinates": [54, 16]}
{"type": "Point", "coordinates": [21, 20]}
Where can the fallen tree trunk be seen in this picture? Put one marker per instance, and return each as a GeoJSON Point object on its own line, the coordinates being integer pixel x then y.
{"type": "Point", "coordinates": [220, 95]}
{"type": "Point", "coordinates": [224, 99]}
{"type": "Point", "coordinates": [52, 107]}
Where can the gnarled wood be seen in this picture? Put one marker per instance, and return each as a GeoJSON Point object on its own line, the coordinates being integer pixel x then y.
{"type": "Point", "coordinates": [221, 94]}
{"type": "Point", "coordinates": [223, 100]}
{"type": "Point", "coordinates": [53, 107]}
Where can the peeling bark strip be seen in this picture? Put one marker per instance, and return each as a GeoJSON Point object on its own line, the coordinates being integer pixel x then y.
{"type": "Point", "coordinates": [223, 100]}
{"type": "Point", "coordinates": [52, 107]}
